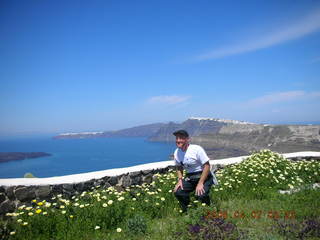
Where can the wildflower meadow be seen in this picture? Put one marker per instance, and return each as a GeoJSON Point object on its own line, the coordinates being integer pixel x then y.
{"type": "Point", "coordinates": [245, 205]}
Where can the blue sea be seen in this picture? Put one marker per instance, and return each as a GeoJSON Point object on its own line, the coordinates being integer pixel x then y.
{"type": "Point", "coordinates": [72, 156]}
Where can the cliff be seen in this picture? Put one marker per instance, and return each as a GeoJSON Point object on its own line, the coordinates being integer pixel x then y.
{"type": "Point", "coordinates": [227, 138]}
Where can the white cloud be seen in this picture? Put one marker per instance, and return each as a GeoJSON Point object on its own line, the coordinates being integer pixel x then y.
{"type": "Point", "coordinates": [276, 97]}
{"type": "Point", "coordinates": [315, 60]}
{"type": "Point", "coordinates": [168, 99]}
{"type": "Point", "coordinates": [307, 25]}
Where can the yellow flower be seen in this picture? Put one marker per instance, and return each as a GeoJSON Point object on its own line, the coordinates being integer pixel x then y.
{"type": "Point", "coordinates": [12, 233]}
{"type": "Point", "coordinates": [71, 216]}
{"type": "Point", "coordinates": [34, 200]}
{"type": "Point", "coordinates": [97, 227]}
{"type": "Point", "coordinates": [119, 229]}
{"type": "Point", "coordinates": [40, 203]}
{"type": "Point", "coordinates": [38, 211]}
{"type": "Point", "coordinates": [25, 223]}
{"type": "Point", "coordinates": [63, 212]}
{"type": "Point", "coordinates": [19, 220]}
{"type": "Point", "coordinates": [203, 204]}
{"type": "Point", "coordinates": [30, 213]}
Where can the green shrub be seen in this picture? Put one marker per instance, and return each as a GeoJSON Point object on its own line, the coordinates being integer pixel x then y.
{"type": "Point", "coordinates": [137, 225]}
{"type": "Point", "coordinates": [263, 172]}
{"type": "Point", "coordinates": [28, 175]}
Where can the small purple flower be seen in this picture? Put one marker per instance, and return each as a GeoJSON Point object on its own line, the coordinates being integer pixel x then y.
{"type": "Point", "coordinates": [194, 228]}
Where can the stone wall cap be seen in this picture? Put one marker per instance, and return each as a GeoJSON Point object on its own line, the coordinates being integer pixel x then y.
{"type": "Point", "coordinates": [78, 178]}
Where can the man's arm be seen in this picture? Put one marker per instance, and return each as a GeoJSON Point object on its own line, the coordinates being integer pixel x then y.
{"type": "Point", "coordinates": [205, 172]}
{"type": "Point", "coordinates": [204, 175]}
{"type": "Point", "coordinates": [180, 176]}
{"type": "Point", "coordinates": [180, 172]}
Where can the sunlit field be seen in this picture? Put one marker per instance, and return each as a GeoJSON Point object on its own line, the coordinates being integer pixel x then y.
{"type": "Point", "coordinates": [245, 205]}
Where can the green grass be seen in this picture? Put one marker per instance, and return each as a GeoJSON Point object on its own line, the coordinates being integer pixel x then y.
{"type": "Point", "coordinates": [247, 194]}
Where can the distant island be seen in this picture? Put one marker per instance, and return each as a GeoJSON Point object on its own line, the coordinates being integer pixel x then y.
{"type": "Point", "coordinates": [223, 138]}
{"type": "Point", "coordinates": [12, 156]}
{"type": "Point", "coordinates": [139, 131]}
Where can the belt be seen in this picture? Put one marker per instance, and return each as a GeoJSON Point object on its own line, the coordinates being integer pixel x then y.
{"type": "Point", "coordinates": [195, 175]}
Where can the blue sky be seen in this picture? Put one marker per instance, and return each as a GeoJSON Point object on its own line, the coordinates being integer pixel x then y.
{"type": "Point", "coordinates": [69, 66]}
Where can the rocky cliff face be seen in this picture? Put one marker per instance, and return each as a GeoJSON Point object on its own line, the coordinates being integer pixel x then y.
{"type": "Point", "coordinates": [227, 138]}
{"type": "Point", "coordinates": [193, 126]}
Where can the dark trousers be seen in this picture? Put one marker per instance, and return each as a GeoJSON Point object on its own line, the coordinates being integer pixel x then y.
{"type": "Point", "coordinates": [190, 186]}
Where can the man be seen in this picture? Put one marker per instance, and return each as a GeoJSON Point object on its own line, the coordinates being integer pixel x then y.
{"type": "Point", "coordinates": [195, 161]}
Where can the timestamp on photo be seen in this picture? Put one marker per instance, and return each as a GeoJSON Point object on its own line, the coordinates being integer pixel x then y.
{"type": "Point", "coordinates": [254, 214]}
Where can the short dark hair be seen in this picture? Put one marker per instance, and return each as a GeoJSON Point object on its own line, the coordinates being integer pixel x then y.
{"type": "Point", "coordinates": [181, 132]}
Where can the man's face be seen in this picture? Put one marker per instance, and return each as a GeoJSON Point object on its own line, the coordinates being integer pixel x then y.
{"type": "Point", "coordinates": [181, 141]}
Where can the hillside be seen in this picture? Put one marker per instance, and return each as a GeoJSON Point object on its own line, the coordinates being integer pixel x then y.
{"type": "Point", "coordinates": [139, 131]}
{"type": "Point", "coordinates": [227, 138]}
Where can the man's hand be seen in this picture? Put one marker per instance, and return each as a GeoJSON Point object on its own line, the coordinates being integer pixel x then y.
{"type": "Point", "coordinates": [178, 185]}
{"type": "Point", "coordinates": [199, 189]}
